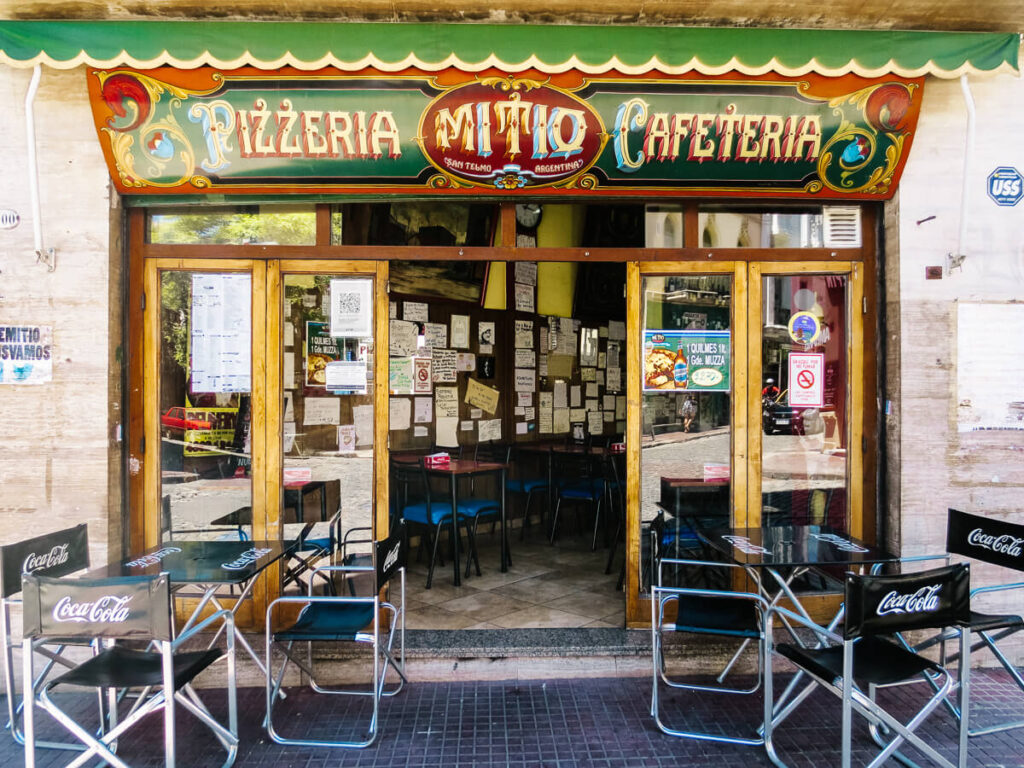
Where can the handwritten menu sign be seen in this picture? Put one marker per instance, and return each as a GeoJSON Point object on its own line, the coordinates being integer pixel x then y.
{"type": "Point", "coordinates": [221, 335]}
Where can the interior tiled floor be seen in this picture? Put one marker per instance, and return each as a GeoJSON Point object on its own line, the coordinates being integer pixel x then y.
{"type": "Point", "coordinates": [547, 586]}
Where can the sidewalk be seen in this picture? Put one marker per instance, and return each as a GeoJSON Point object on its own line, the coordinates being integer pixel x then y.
{"type": "Point", "coordinates": [598, 723]}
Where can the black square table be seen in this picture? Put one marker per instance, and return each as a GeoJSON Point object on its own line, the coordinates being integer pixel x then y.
{"type": "Point", "coordinates": [206, 565]}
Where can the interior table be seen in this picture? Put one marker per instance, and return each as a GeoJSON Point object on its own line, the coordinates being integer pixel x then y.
{"type": "Point", "coordinates": [200, 569]}
{"type": "Point", "coordinates": [458, 469]}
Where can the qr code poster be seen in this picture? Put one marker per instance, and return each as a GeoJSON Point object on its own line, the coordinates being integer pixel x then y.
{"type": "Point", "coordinates": [351, 308]}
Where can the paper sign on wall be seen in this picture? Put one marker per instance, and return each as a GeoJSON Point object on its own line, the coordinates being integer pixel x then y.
{"type": "Point", "coordinates": [362, 415]}
{"type": "Point", "coordinates": [400, 375]}
{"type": "Point", "coordinates": [485, 337]}
{"type": "Point", "coordinates": [347, 438]}
{"type": "Point", "coordinates": [446, 402]}
{"type": "Point", "coordinates": [524, 334]}
{"type": "Point", "coordinates": [400, 413]}
{"type": "Point", "coordinates": [435, 335]}
{"type": "Point", "coordinates": [481, 396]}
{"type": "Point", "coordinates": [489, 430]}
{"type": "Point", "coordinates": [28, 357]}
{"type": "Point", "coordinates": [321, 410]}
{"type": "Point", "coordinates": [460, 331]}
{"type": "Point", "coordinates": [526, 379]}
{"type": "Point", "coordinates": [423, 411]}
{"type": "Point", "coordinates": [444, 363]}
{"type": "Point", "coordinates": [415, 311]}
{"type": "Point", "coordinates": [351, 308]}
{"type": "Point", "coordinates": [403, 338]}
{"type": "Point", "coordinates": [806, 379]}
{"type": "Point", "coordinates": [421, 381]}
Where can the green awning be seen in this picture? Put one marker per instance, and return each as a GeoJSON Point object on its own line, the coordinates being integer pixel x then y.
{"type": "Point", "coordinates": [512, 48]}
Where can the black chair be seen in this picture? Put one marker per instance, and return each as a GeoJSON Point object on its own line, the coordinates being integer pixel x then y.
{"type": "Point", "coordinates": [54, 554]}
{"type": "Point", "coordinates": [527, 482]}
{"type": "Point", "coordinates": [578, 480]}
{"type": "Point", "coordinates": [999, 543]}
{"type": "Point", "coordinates": [346, 619]}
{"type": "Point", "coordinates": [854, 665]}
{"type": "Point", "coordinates": [135, 608]}
{"type": "Point", "coordinates": [722, 613]}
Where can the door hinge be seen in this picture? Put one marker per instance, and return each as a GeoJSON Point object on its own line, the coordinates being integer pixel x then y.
{"type": "Point", "coordinates": [387, 286]}
{"type": "Point", "coordinates": [142, 444]}
{"type": "Point", "coordinates": [863, 444]}
{"type": "Point", "coordinates": [142, 301]}
{"type": "Point", "coordinates": [865, 305]}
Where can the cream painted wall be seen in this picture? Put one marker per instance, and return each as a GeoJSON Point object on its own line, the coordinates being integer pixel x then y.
{"type": "Point", "coordinates": [55, 439]}
{"type": "Point", "coordinates": [983, 471]}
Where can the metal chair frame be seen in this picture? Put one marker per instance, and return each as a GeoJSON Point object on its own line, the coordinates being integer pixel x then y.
{"type": "Point", "coordinates": [383, 652]}
{"type": "Point", "coordinates": [151, 621]}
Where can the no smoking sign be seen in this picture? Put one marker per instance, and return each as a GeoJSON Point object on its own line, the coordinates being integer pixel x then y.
{"type": "Point", "coordinates": [806, 374]}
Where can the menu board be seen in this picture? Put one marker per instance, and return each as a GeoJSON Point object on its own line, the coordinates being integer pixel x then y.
{"type": "Point", "coordinates": [221, 333]}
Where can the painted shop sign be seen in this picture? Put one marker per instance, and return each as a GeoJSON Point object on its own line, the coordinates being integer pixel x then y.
{"type": "Point", "coordinates": [26, 354]}
{"type": "Point", "coordinates": [230, 132]}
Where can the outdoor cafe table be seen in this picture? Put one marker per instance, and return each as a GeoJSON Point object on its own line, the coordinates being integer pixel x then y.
{"type": "Point", "coordinates": [457, 469]}
{"type": "Point", "coordinates": [207, 566]}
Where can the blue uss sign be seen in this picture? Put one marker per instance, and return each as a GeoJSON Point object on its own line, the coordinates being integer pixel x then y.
{"type": "Point", "coordinates": [1006, 186]}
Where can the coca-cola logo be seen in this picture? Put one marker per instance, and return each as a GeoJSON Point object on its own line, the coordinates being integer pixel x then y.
{"type": "Point", "coordinates": [744, 545]}
{"type": "Point", "coordinates": [1003, 544]}
{"type": "Point", "coordinates": [839, 542]}
{"type": "Point", "coordinates": [245, 559]}
{"type": "Point", "coordinates": [109, 609]}
{"type": "Point", "coordinates": [924, 600]}
{"type": "Point", "coordinates": [511, 133]}
{"type": "Point", "coordinates": [153, 558]}
{"type": "Point", "coordinates": [392, 557]}
{"type": "Point", "coordinates": [56, 556]}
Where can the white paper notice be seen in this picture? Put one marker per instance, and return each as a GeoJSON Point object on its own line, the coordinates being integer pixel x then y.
{"type": "Point", "coordinates": [609, 416]}
{"type": "Point", "coordinates": [392, 310]}
{"type": "Point", "coordinates": [362, 415]}
{"type": "Point", "coordinates": [347, 438]}
{"type": "Point", "coordinates": [614, 379]}
{"type": "Point", "coordinates": [524, 298]}
{"type": "Point", "coordinates": [489, 429]}
{"type": "Point", "coordinates": [444, 362]}
{"type": "Point", "coordinates": [466, 361]}
{"type": "Point", "coordinates": [466, 426]}
{"type": "Point", "coordinates": [575, 395]}
{"type": "Point", "coordinates": [476, 413]}
{"type": "Point", "coordinates": [289, 370]}
{"type": "Point", "coordinates": [524, 398]}
{"type": "Point", "coordinates": [485, 337]}
{"type": "Point", "coordinates": [620, 408]}
{"type": "Point", "coordinates": [544, 422]}
{"type": "Point", "coordinates": [288, 436]}
{"type": "Point", "coordinates": [526, 380]}
{"type": "Point", "coordinates": [561, 388]}
{"type": "Point", "coordinates": [526, 358]}
{"type": "Point", "coordinates": [351, 308]}
{"type": "Point", "coordinates": [602, 359]}
{"type": "Point", "coordinates": [561, 421]}
{"type": "Point", "coordinates": [526, 272]}
{"type": "Point", "coordinates": [403, 339]}
{"type": "Point", "coordinates": [446, 402]}
{"type": "Point", "coordinates": [521, 427]}
{"type": "Point", "coordinates": [221, 333]}
{"type": "Point", "coordinates": [592, 390]}
{"type": "Point", "coordinates": [422, 383]}
{"type": "Point", "coordinates": [446, 432]}
{"type": "Point", "coordinates": [420, 431]}
{"type": "Point", "coordinates": [415, 311]}
{"type": "Point", "coordinates": [595, 422]}
{"type": "Point", "coordinates": [545, 399]}
{"type": "Point", "coordinates": [592, 405]}
{"type": "Point", "coordinates": [616, 329]}
{"type": "Point", "coordinates": [400, 375]}
{"type": "Point", "coordinates": [400, 415]}
{"type": "Point", "coordinates": [600, 378]}
{"type": "Point", "coordinates": [346, 374]}
{"type": "Point", "coordinates": [435, 335]}
{"type": "Point", "coordinates": [609, 403]}
{"type": "Point", "coordinates": [588, 374]}
{"type": "Point", "coordinates": [460, 331]}
{"type": "Point", "coordinates": [423, 410]}
{"type": "Point", "coordinates": [577, 415]}
{"type": "Point", "coordinates": [524, 334]}
{"type": "Point", "coordinates": [321, 410]}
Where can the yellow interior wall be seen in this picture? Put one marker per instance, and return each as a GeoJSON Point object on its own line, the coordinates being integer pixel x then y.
{"type": "Point", "coordinates": [561, 226]}
{"type": "Point", "coordinates": [495, 297]}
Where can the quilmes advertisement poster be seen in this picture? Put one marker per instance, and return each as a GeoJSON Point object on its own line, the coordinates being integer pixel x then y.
{"type": "Point", "coordinates": [695, 360]}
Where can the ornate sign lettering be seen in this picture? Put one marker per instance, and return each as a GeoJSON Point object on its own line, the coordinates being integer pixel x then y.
{"type": "Point", "coordinates": [201, 131]}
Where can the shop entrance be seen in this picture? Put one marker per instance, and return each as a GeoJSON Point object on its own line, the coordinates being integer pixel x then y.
{"type": "Point", "coordinates": [281, 389]}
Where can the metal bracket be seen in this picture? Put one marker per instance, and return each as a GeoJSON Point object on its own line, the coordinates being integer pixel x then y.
{"type": "Point", "coordinates": [47, 257]}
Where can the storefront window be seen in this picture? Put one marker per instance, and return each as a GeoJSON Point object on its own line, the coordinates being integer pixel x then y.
{"type": "Point", "coordinates": [578, 225]}
{"type": "Point", "coordinates": [415, 223]}
{"type": "Point", "coordinates": [327, 409]}
{"type": "Point", "coordinates": [686, 445]}
{"type": "Point", "coordinates": [242, 225]}
{"type": "Point", "coordinates": [729, 228]}
{"type": "Point", "coordinates": [205, 405]}
{"type": "Point", "coordinates": [804, 401]}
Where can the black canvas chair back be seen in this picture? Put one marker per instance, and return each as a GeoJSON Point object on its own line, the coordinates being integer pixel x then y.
{"type": "Point", "coordinates": [886, 605]}
{"type": "Point", "coordinates": [982, 538]}
{"type": "Point", "coordinates": [53, 554]}
{"type": "Point", "coordinates": [391, 555]}
{"type": "Point", "coordinates": [133, 607]}
{"type": "Point", "coordinates": [867, 659]}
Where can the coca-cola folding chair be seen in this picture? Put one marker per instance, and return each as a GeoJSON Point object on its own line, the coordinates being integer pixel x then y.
{"type": "Point", "coordinates": [860, 661]}
{"type": "Point", "coordinates": [53, 554]}
{"type": "Point", "coordinates": [136, 608]}
{"type": "Point", "coordinates": [998, 543]}
{"type": "Point", "coordinates": [342, 618]}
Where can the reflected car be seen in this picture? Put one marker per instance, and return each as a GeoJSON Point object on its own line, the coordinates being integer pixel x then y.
{"type": "Point", "coordinates": [781, 418]}
{"type": "Point", "coordinates": [175, 418]}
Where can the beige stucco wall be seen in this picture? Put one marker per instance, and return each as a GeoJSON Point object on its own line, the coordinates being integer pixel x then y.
{"type": "Point", "coordinates": [981, 471]}
{"type": "Point", "coordinates": [56, 443]}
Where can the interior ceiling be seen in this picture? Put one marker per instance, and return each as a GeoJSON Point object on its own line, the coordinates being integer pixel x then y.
{"type": "Point", "coordinates": [945, 15]}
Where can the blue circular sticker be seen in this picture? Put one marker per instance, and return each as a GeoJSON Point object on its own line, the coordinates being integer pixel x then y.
{"type": "Point", "coordinates": [804, 327]}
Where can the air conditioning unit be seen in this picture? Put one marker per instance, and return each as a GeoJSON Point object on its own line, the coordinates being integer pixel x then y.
{"type": "Point", "coordinates": [842, 226]}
